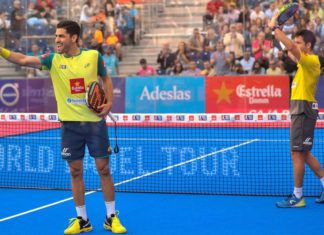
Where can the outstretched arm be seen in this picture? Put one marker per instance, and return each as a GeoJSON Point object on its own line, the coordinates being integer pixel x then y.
{"type": "Point", "coordinates": [281, 36]}
{"type": "Point", "coordinates": [20, 59]}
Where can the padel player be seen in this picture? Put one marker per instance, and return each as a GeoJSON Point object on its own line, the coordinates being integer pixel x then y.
{"type": "Point", "coordinates": [72, 69]}
{"type": "Point", "coordinates": [303, 110]}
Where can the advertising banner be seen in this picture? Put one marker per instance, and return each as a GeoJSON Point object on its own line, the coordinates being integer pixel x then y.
{"type": "Point", "coordinates": [247, 94]}
{"type": "Point", "coordinates": [118, 95]}
{"type": "Point", "coordinates": [27, 95]}
{"type": "Point", "coordinates": [36, 95]}
{"type": "Point", "coordinates": [165, 95]}
{"type": "Point", "coordinates": [320, 94]}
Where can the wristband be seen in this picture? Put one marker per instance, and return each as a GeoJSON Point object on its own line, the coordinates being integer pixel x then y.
{"type": "Point", "coordinates": [5, 53]}
{"type": "Point", "coordinates": [276, 27]}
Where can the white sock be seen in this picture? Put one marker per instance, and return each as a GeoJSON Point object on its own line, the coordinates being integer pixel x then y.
{"type": "Point", "coordinates": [298, 192]}
{"type": "Point", "coordinates": [322, 181]}
{"type": "Point", "coordinates": [82, 211]}
{"type": "Point", "coordinates": [110, 206]}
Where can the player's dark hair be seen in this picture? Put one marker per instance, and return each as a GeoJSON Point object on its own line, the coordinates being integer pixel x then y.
{"type": "Point", "coordinates": [71, 27]}
{"type": "Point", "coordinates": [308, 37]}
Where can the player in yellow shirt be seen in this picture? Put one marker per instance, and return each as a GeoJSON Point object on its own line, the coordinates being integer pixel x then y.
{"type": "Point", "coordinates": [72, 69]}
{"type": "Point", "coordinates": [303, 110]}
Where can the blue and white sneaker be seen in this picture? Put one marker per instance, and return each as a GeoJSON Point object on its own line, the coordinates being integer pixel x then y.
{"type": "Point", "coordinates": [291, 202]}
{"type": "Point", "coordinates": [321, 198]}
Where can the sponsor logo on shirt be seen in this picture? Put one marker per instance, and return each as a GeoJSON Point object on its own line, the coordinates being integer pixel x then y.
{"type": "Point", "coordinates": [76, 101]}
{"type": "Point", "coordinates": [77, 86]}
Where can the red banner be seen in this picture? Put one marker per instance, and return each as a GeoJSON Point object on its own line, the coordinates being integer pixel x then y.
{"type": "Point", "coordinates": [247, 94]}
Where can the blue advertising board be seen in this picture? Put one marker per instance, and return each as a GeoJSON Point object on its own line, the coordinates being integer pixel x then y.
{"type": "Point", "coordinates": [165, 95]}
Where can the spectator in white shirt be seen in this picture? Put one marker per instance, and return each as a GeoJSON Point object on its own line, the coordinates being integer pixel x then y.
{"type": "Point", "coordinates": [257, 13]}
{"type": "Point", "coordinates": [247, 62]}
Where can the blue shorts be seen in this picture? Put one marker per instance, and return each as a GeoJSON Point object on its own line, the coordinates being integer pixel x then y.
{"type": "Point", "coordinates": [77, 135]}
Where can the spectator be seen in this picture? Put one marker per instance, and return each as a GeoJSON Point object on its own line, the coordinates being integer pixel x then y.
{"type": "Point", "coordinates": [232, 60]}
{"type": "Point", "coordinates": [252, 35]}
{"type": "Point", "coordinates": [100, 17]}
{"type": "Point", "coordinates": [261, 46]}
{"type": "Point", "coordinates": [271, 11]}
{"type": "Point", "coordinates": [244, 16]}
{"type": "Point", "coordinates": [273, 52]}
{"type": "Point", "coordinates": [165, 59]}
{"type": "Point", "coordinates": [177, 69]}
{"type": "Point", "coordinates": [111, 61]}
{"type": "Point", "coordinates": [208, 69]}
{"type": "Point", "coordinates": [219, 25]}
{"type": "Point", "coordinates": [47, 13]}
{"type": "Point", "coordinates": [131, 17]}
{"type": "Point", "coordinates": [109, 7]}
{"type": "Point", "coordinates": [210, 40]}
{"type": "Point", "coordinates": [233, 13]}
{"type": "Point", "coordinates": [17, 22]}
{"type": "Point", "coordinates": [192, 69]}
{"type": "Point", "coordinates": [182, 54]}
{"type": "Point", "coordinates": [87, 11]}
{"type": "Point", "coordinates": [290, 66]}
{"type": "Point", "coordinates": [114, 42]}
{"type": "Point", "coordinates": [247, 62]}
{"type": "Point", "coordinates": [316, 11]}
{"type": "Point", "coordinates": [98, 38]}
{"type": "Point", "coordinates": [257, 13]}
{"type": "Point", "coordinates": [220, 60]}
{"type": "Point", "coordinates": [319, 32]}
{"type": "Point", "coordinates": [259, 24]}
{"type": "Point", "coordinates": [257, 68]}
{"type": "Point", "coordinates": [234, 42]}
{"type": "Point", "coordinates": [145, 70]}
{"type": "Point", "coordinates": [32, 72]}
{"type": "Point", "coordinates": [273, 68]}
{"type": "Point", "coordinates": [196, 44]}
{"type": "Point", "coordinates": [4, 25]}
{"type": "Point", "coordinates": [281, 66]}
{"type": "Point", "coordinates": [48, 3]}
{"type": "Point", "coordinates": [237, 69]}
{"type": "Point", "coordinates": [211, 10]}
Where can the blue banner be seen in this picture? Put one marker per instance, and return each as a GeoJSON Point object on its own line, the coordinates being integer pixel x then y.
{"type": "Point", "coordinates": [165, 95]}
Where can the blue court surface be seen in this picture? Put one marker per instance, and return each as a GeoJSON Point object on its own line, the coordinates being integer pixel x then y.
{"type": "Point", "coordinates": [170, 180]}
{"type": "Point", "coordinates": [150, 214]}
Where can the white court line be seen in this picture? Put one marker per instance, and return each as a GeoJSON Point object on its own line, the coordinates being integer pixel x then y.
{"type": "Point", "coordinates": [161, 139]}
{"type": "Point", "coordinates": [132, 179]}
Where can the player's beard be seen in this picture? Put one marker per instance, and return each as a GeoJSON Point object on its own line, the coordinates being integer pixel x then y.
{"type": "Point", "coordinates": [60, 48]}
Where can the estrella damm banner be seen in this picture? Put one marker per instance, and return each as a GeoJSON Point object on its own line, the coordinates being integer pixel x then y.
{"type": "Point", "coordinates": [247, 94]}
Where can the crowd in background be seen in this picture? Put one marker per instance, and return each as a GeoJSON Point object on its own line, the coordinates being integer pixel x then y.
{"type": "Point", "coordinates": [105, 26]}
{"type": "Point", "coordinates": [233, 39]}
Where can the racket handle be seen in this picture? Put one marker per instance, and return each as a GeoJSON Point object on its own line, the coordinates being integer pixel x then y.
{"type": "Point", "coordinates": [112, 118]}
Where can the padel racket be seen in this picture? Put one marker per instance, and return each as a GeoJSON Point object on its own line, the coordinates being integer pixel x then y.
{"type": "Point", "coordinates": [95, 97]}
{"type": "Point", "coordinates": [286, 11]}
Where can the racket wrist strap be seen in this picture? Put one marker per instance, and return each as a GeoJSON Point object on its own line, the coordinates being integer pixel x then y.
{"type": "Point", "coordinates": [276, 27]}
{"type": "Point", "coordinates": [5, 53]}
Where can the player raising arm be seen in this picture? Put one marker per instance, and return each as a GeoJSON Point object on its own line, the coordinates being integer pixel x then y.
{"type": "Point", "coordinates": [303, 109]}
{"type": "Point", "coordinates": [72, 69]}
